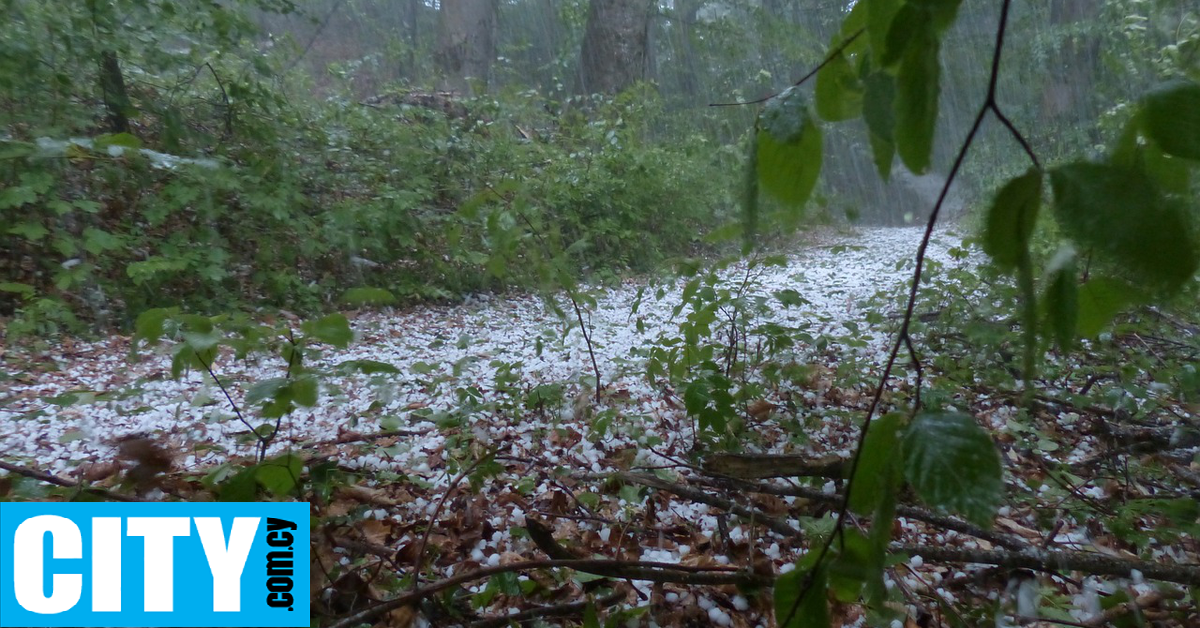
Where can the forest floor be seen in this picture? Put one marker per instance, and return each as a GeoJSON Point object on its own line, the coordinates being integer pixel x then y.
{"type": "Point", "coordinates": [490, 428]}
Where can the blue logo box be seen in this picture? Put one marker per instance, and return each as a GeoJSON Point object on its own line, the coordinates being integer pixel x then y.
{"type": "Point", "coordinates": [154, 564]}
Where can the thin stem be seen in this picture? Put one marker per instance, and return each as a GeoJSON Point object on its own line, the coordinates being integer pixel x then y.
{"type": "Point", "coordinates": [804, 79]}
{"type": "Point", "coordinates": [989, 105]}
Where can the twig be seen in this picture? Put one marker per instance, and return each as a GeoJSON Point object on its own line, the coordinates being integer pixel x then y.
{"type": "Point", "coordinates": [418, 562]}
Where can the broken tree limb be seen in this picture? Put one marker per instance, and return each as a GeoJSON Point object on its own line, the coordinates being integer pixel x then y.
{"type": "Point", "coordinates": [1047, 560]}
{"type": "Point", "coordinates": [910, 512]}
{"type": "Point", "coordinates": [558, 610]}
{"type": "Point", "coordinates": [759, 466]}
{"type": "Point", "coordinates": [698, 495]}
{"type": "Point", "coordinates": [50, 478]}
{"type": "Point", "coordinates": [635, 570]}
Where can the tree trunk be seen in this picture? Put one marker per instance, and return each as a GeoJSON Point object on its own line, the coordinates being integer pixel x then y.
{"type": "Point", "coordinates": [112, 87]}
{"type": "Point", "coordinates": [684, 27]}
{"type": "Point", "coordinates": [466, 45]}
{"type": "Point", "coordinates": [615, 45]}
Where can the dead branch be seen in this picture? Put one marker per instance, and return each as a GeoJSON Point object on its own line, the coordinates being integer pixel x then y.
{"type": "Point", "coordinates": [49, 478]}
{"type": "Point", "coordinates": [910, 512]}
{"type": "Point", "coordinates": [558, 610]}
{"type": "Point", "coordinates": [758, 466]}
{"type": "Point", "coordinates": [636, 570]}
{"type": "Point", "coordinates": [1043, 560]}
{"type": "Point", "coordinates": [776, 525]}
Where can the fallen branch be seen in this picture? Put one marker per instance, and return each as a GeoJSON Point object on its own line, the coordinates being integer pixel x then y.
{"type": "Point", "coordinates": [910, 512]}
{"type": "Point", "coordinates": [1043, 560]}
{"type": "Point", "coordinates": [636, 570]}
{"type": "Point", "coordinates": [558, 610]}
{"type": "Point", "coordinates": [759, 466]}
{"type": "Point", "coordinates": [774, 523]}
{"type": "Point", "coordinates": [49, 478]}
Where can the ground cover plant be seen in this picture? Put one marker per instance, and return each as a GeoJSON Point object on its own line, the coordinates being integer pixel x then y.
{"type": "Point", "coordinates": [547, 359]}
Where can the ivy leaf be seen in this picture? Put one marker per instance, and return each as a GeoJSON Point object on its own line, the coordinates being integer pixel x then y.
{"type": "Point", "coordinates": [953, 464]}
{"type": "Point", "coordinates": [917, 97]}
{"type": "Point", "coordinates": [839, 93]}
{"type": "Point", "coordinates": [333, 329]}
{"type": "Point", "coordinates": [1062, 297]}
{"type": "Point", "coordinates": [1011, 219]}
{"type": "Point", "coordinates": [1171, 117]}
{"type": "Point", "coordinates": [877, 456]}
{"type": "Point", "coordinates": [789, 149]}
{"type": "Point", "coordinates": [812, 611]}
{"type": "Point", "coordinates": [1120, 211]}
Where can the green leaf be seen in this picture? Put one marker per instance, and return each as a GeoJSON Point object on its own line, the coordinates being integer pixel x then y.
{"type": "Point", "coordinates": [917, 97]}
{"type": "Point", "coordinates": [1171, 117]}
{"type": "Point", "coordinates": [149, 325]}
{"type": "Point", "coordinates": [368, 296]}
{"type": "Point", "coordinates": [880, 15]}
{"type": "Point", "coordinates": [789, 149]}
{"type": "Point", "coordinates": [839, 93]}
{"type": "Point", "coordinates": [125, 140]}
{"type": "Point", "coordinates": [879, 114]}
{"type": "Point", "coordinates": [31, 231]}
{"type": "Point", "coordinates": [953, 464]}
{"type": "Point", "coordinates": [750, 195]}
{"type": "Point", "coordinates": [279, 476]}
{"type": "Point", "coordinates": [333, 329]}
{"type": "Point", "coordinates": [367, 367]}
{"type": "Point", "coordinates": [97, 241]}
{"type": "Point", "coordinates": [242, 487]}
{"type": "Point", "coordinates": [304, 391]}
{"type": "Point", "coordinates": [1062, 297]}
{"type": "Point", "coordinates": [1011, 219]}
{"type": "Point", "coordinates": [22, 289]}
{"type": "Point", "coordinates": [903, 33]}
{"type": "Point", "coordinates": [942, 12]}
{"type": "Point", "coordinates": [871, 477]}
{"type": "Point", "coordinates": [1120, 212]}
{"type": "Point", "coordinates": [811, 611]}
{"type": "Point", "coordinates": [265, 389]}
{"type": "Point", "coordinates": [853, 567]}
{"type": "Point", "coordinates": [1101, 299]}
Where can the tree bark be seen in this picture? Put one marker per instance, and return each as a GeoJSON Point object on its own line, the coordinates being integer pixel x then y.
{"type": "Point", "coordinates": [615, 45]}
{"type": "Point", "coordinates": [466, 45]}
{"type": "Point", "coordinates": [112, 87]}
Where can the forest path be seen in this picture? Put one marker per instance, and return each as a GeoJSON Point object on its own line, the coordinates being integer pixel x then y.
{"type": "Point", "coordinates": [63, 420]}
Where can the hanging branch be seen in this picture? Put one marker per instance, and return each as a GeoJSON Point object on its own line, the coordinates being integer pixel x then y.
{"type": "Point", "coordinates": [902, 336]}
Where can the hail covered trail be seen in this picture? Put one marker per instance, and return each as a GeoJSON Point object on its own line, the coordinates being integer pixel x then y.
{"type": "Point", "coordinates": [452, 361]}
{"type": "Point", "coordinates": [441, 352]}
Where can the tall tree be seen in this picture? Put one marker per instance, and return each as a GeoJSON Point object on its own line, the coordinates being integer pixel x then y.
{"type": "Point", "coordinates": [466, 44]}
{"type": "Point", "coordinates": [615, 44]}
